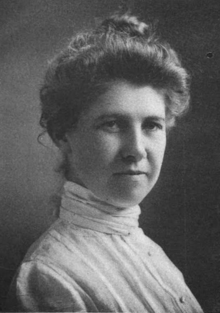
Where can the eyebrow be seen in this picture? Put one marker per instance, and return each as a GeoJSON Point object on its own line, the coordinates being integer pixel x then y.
{"type": "Point", "coordinates": [156, 118]}
{"type": "Point", "coordinates": [123, 117]}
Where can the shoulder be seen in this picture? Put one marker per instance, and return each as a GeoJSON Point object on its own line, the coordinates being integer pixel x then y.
{"type": "Point", "coordinates": [42, 287]}
{"type": "Point", "coordinates": [47, 279]}
{"type": "Point", "coordinates": [53, 273]}
{"type": "Point", "coordinates": [59, 242]}
{"type": "Point", "coordinates": [60, 254]}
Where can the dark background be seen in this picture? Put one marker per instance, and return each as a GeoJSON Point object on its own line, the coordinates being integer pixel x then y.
{"type": "Point", "coordinates": [182, 213]}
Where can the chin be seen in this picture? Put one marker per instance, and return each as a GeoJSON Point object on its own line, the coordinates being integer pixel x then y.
{"type": "Point", "coordinates": [128, 194]}
{"type": "Point", "coordinates": [135, 196]}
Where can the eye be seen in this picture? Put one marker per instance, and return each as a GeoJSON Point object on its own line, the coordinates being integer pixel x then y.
{"type": "Point", "coordinates": [152, 125]}
{"type": "Point", "coordinates": [110, 126]}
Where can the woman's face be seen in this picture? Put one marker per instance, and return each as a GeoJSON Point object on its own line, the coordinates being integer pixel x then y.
{"type": "Point", "coordinates": [118, 147]}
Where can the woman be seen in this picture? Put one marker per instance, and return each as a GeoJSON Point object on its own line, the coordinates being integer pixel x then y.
{"type": "Point", "coordinates": [108, 102]}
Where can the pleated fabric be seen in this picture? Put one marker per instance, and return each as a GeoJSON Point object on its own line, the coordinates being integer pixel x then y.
{"type": "Point", "coordinates": [95, 258]}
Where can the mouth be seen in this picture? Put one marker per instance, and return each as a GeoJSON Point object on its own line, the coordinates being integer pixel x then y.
{"type": "Point", "coordinates": [130, 172]}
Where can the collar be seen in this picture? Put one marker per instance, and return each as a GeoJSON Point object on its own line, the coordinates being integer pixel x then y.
{"type": "Point", "coordinates": [82, 208]}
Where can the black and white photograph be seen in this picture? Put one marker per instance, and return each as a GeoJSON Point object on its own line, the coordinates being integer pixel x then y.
{"type": "Point", "coordinates": [110, 156]}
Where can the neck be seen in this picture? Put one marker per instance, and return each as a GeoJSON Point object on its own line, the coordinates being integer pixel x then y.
{"type": "Point", "coordinates": [82, 208]}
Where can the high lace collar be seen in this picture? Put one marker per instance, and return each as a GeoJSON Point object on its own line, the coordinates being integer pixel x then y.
{"type": "Point", "coordinates": [82, 208]}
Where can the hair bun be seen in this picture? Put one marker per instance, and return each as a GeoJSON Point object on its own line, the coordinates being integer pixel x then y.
{"type": "Point", "coordinates": [127, 24]}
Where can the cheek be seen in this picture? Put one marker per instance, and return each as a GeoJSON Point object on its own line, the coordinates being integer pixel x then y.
{"type": "Point", "coordinates": [158, 151]}
{"type": "Point", "coordinates": [161, 147]}
{"type": "Point", "coordinates": [96, 154]}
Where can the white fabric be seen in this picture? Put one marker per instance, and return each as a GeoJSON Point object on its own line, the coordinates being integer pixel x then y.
{"type": "Point", "coordinates": [95, 258]}
{"type": "Point", "coordinates": [90, 212]}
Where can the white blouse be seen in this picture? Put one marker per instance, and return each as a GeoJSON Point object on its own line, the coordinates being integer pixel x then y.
{"type": "Point", "coordinates": [95, 258]}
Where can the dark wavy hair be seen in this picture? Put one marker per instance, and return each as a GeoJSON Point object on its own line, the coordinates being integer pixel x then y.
{"type": "Point", "coordinates": [120, 48]}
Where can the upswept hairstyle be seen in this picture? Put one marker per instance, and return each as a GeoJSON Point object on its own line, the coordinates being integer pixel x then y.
{"type": "Point", "coordinates": [121, 48]}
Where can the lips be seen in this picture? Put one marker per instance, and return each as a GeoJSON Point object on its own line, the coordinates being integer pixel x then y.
{"type": "Point", "coordinates": [131, 172]}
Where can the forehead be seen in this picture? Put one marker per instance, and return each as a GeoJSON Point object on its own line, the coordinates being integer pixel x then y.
{"type": "Point", "coordinates": [126, 99]}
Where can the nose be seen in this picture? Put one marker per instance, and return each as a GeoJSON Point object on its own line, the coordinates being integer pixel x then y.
{"type": "Point", "coordinates": [134, 146]}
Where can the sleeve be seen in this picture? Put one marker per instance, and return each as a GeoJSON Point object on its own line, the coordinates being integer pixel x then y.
{"type": "Point", "coordinates": [40, 287]}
